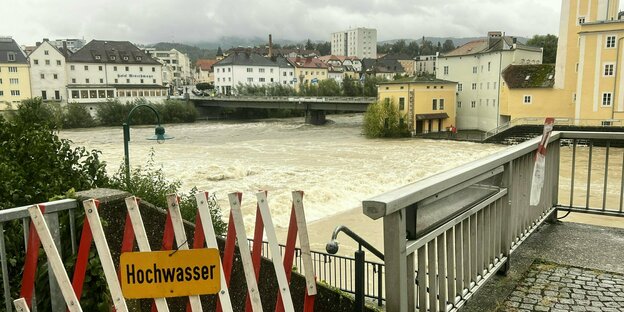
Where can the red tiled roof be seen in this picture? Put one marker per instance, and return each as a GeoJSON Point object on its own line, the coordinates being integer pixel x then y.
{"type": "Point", "coordinates": [205, 65]}
{"type": "Point", "coordinates": [472, 47]}
{"type": "Point", "coordinates": [308, 62]}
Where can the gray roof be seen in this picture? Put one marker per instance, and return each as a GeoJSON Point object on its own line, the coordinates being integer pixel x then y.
{"type": "Point", "coordinates": [245, 58]}
{"type": "Point", "coordinates": [282, 62]}
{"type": "Point", "coordinates": [111, 52]}
{"type": "Point", "coordinates": [9, 46]}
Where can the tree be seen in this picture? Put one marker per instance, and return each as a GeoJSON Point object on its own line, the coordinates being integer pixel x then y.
{"type": "Point", "coordinates": [413, 49]}
{"type": "Point", "coordinates": [448, 46]}
{"type": "Point", "coordinates": [349, 87]}
{"type": "Point", "coordinates": [329, 87]}
{"type": "Point", "coordinates": [309, 45]}
{"type": "Point", "coordinates": [383, 120]}
{"type": "Point", "coordinates": [324, 48]}
{"type": "Point", "coordinates": [399, 47]}
{"type": "Point", "coordinates": [549, 43]}
{"type": "Point", "coordinates": [426, 47]}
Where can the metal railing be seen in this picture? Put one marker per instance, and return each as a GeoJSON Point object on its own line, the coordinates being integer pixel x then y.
{"type": "Point", "coordinates": [270, 98]}
{"type": "Point", "coordinates": [561, 121]}
{"type": "Point", "coordinates": [19, 217]}
{"type": "Point", "coordinates": [339, 271]}
{"type": "Point", "coordinates": [463, 224]}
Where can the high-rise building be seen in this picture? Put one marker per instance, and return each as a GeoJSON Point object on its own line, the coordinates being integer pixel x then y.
{"type": "Point", "coordinates": [360, 42]}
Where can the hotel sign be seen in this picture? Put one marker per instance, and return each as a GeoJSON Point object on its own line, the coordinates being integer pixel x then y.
{"type": "Point", "coordinates": [160, 274]}
{"type": "Point", "coordinates": [134, 76]}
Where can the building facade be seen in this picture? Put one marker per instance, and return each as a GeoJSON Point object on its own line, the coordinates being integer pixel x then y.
{"type": "Point", "coordinates": [14, 74]}
{"type": "Point", "coordinates": [425, 65]}
{"type": "Point", "coordinates": [48, 72]}
{"type": "Point", "coordinates": [177, 69]}
{"type": "Point", "coordinates": [476, 67]}
{"type": "Point", "coordinates": [360, 42]}
{"type": "Point", "coordinates": [104, 70]}
{"type": "Point", "coordinates": [72, 45]}
{"type": "Point", "coordinates": [240, 68]}
{"type": "Point", "coordinates": [309, 71]}
{"type": "Point", "coordinates": [204, 71]}
{"type": "Point", "coordinates": [427, 104]}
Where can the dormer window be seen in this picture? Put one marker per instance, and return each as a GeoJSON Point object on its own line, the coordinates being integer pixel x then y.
{"type": "Point", "coordinates": [139, 58]}
{"type": "Point", "coordinates": [125, 58]}
{"type": "Point", "coordinates": [11, 56]}
{"type": "Point", "coordinates": [112, 57]}
{"type": "Point", "coordinates": [97, 57]}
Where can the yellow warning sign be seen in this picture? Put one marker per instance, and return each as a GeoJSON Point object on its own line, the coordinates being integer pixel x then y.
{"type": "Point", "coordinates": [159, 274]}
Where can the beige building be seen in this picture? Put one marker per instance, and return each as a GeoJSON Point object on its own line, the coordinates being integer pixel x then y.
{"type": "Point", "coordinates": [360, 42]}
{"type": "Point", "coordinates": [14, 74]}
{"type": "Point", "coordinates": [204, 71]}
{"type": "Point", "coordinates": [309, 70]}
{"type": "Point", "coordinates": [477, 68]}
{"type": "Point", "coordinates": [425, 65]}
{"type": "Point", "coordinates": [427, 104]}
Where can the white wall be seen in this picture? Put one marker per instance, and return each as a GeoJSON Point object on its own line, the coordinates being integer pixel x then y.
{"type": "Point", "coordinates": [48, 83]}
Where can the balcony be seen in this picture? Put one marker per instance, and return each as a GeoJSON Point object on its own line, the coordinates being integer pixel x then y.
{"type": "Point", "coordinates": [446, 237]}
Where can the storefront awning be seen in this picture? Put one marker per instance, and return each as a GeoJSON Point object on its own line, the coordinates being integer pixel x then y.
{"type": "Point", "coordinates": [431, 116]}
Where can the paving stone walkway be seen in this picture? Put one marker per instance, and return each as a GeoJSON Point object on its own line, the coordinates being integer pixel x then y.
{"type": "Point", "coordinates": [554, 287]}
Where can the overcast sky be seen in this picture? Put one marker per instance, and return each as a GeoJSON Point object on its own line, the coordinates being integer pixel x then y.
{"type": "Point", "coordinates": [152, 21]}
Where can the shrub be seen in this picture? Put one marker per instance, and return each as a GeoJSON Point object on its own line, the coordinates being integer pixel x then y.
{"type": "Point", "coordinates": [177, 111]}
{"type": "Point", "coordinates": [77, 116]}
{"type": "Point", "coordinates": [114, 113]}
{"type": "Point", "coordinates": [383, 120]}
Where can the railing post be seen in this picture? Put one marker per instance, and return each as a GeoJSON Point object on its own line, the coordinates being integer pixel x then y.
{"type": "Point", "coordinates": [379, 285]}
{"type": "Point", "coordinates": [554, 200]}
{"type": "Point", "coordinates": [359, 280]}
{"type": "Point", "coordinates": [507, 218]}
{"type": "Point", "coordinates": [396, 261]}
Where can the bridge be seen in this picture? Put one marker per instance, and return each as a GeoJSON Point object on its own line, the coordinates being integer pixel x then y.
{"type": "Point", "coordinates": [314, 106]}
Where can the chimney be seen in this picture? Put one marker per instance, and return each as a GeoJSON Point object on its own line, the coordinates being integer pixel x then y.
{"type": "Point", "coordinates": [493, 37]}
{"type": "Point", "coordinates": [65, 49]}
{"type": "Point", "coordinates": [270, 46]}
{"type": "Point", "coordinates": [46, 39]}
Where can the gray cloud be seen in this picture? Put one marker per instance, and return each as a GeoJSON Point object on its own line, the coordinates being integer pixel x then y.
{"type": "Point", "coordinates": [152, 21]}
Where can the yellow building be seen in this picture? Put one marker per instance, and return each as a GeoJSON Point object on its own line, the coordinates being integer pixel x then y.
{"type": "Point", "coordinates": [308, 70]}
{"type": "Point", "coordinates": [428, 104]}
{"type": "Point", "coordinates": [588, 81]}
{"type": "Point", "coordinates": [527, 91]}
{"type": "Point", "coordinates": [14, 74]}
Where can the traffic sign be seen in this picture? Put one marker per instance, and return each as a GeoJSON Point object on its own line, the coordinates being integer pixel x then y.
{"type": "Point", "coordinates": [159, 274]}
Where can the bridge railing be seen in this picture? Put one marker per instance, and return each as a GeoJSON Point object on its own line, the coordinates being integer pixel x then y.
{"type": "Point", "coordinates": [296, 99]}
{"type": "Point", "coordinates": [562, 121]}
{"type": "Point", "coordinates": [463, 224]}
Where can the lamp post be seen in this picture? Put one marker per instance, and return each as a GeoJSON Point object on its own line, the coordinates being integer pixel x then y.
{"type": "Point", "coordinates": [159, 136]}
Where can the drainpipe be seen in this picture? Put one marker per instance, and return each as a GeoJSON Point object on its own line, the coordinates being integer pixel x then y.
{"type": "Point", "coordinates": [617, 68]}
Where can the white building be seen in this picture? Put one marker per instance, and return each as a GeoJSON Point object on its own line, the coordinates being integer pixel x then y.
{"type": "Point", "coordinates": [476, 67]}
{"type": "Point", "coordinates": [177, 69]}
{"type": "Point", "coordinates": [104, 70]}
{"type": "Point", "coordinates": [251, 68]}
{"type": "Point", "coordinates": [48, 73]}
{"type": "Point", "coordinates": [425, 64]}
{"type": "Point", "coordinates": [360, 42]}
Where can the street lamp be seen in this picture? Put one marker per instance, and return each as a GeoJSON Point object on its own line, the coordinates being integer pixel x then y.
{"type": "Point", "coordinates": [159, 136]}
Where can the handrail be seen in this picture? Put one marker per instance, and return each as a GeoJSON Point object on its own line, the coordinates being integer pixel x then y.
{"type": "Point", "coordinates": [539, 121]}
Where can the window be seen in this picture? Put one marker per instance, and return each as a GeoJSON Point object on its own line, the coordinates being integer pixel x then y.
{"type": "Point", "coordinates": [86, 67]}
{"type": "Point", "coordinates": [97, 57]}
{"type": "Point", "coordinates": [101, 80]}
{"type": "Point", "coordinates": [606, 99]}
{"type": "Point", "coordinates": [229, 69]}
{"type": "Point", "coordinates": [93, 94]}
{"type": "Point", "coordinates": [1, 93]}
{"type": "Point", "coordinates": [44, 95]}
{"type": "Point", "coordinates": [140, 68]}
{"type": "Point", "coordinates": [15, 92]}
{"type": "Point", "coordinates": [249, 70]}
{"type": "Point", "coordinates": [459, 87]}
{"type": "Point", "coordinates": [112, 57]}
{"type": "Point", "coordinates": [114, 68]}
{"type": "Point", "coordinates": [116, 80]}
{"type": "Point", "coordinates": [261, 79]}
{"type": "Point", "coordinates": [446, 70]}
{"type": "Point", "coordinates": [153, 69]}
{"type": "Point", "coordinates": [55, 76]}
{"type": "Point", "coordinates": [606, 123]}
{"type": "Point", "coordinates": [458, 104]}
{"type": "Point", "coordinates": [127, 80]}
{"type": "Point", "coordinates": [100, 68]}
{"type": "Point", "coordinates": [141, 80]}
{"type": "Point", "coordinates": [75, 94]}
{"type": "Point", "coordinates": [36, 62]}
{"type": "Point", "coordinates": [110, 94]}
{"type": "Point", "coordinates": [87, 80]}
{"type": "Point", "coordinates": [284, 74]}
{"type": "Point", "coordinates": [474, 86]}
{"type": "Point", "coordinates": [261, 70]}
{"type": "Point", "coordinates": [581, 20]}
{"type": "Point", "coordinates": [47, 62]}
{"type": "Point", "coordinates": [474, 69]}
{"type": "Point", "coordinates": [58, 62]}
{"type": "Point", "coordinates": [473, 104]}
{"type": "Point", "coordinates": [527, 99]}
{"type": "Point", "coordinates": [72, 67]}
{"type": "Point", "coordinates": [608, 69]}
{"type": "Point", "coordinates": [441, 104]}
{"type": "Point", "coordinates": [489, 65]}
{"type": "Point", "coordinates": [12, 69]}
{"type": "Point", "coordinates": [153, 80]}
{"type": "Point", "coordinates": [11, 56]}
{"type": "Point", "coordinates": [14, 81]}
{"type": "Point", "coordinates": [249, 79]}
{"type": "Point", "coordinates": [84, 94]}
{"type": "Point", "coordinates": [434, 105]}
{"type": "Point", "coordinates": [73, 80]}
{"type": "Point", "coordinates": [46, 52]}
{"type": "Point", "coordinates": [101, 94]}
{"type": "Point", "coordinates": [271, 70]}
{"type": "Point", "coordinates": [401, 103]}
{"type": "Point", "coordinates": [42, 76]}
{"type": "Point", "coordinates": [127, 68]}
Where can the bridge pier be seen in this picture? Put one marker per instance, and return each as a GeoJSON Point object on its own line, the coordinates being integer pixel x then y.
{"type": "Point", "coordinates": [315, 117]}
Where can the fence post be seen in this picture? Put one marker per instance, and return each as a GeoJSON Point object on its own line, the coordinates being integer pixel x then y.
{"type": "Point", "coordinates": [396, 261]}
{"type": "Point", "coordinates": [360, 256]}
{"type": "Point", "coordinates": [379, 284]}
{"type": "Point", "coordinates": [507, 219]}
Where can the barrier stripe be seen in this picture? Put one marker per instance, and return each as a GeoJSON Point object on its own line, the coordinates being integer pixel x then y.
{"type": "Point", "coordinates": [228, 254]}
{"type": "Point", "coordinates": [30, 263]}
{"type": "Point", "coordinates": [256, 252]}
{"type": "Point", "coordinates": [82, 259]}
{"type": "Point", "coordinates": [289, 254]}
